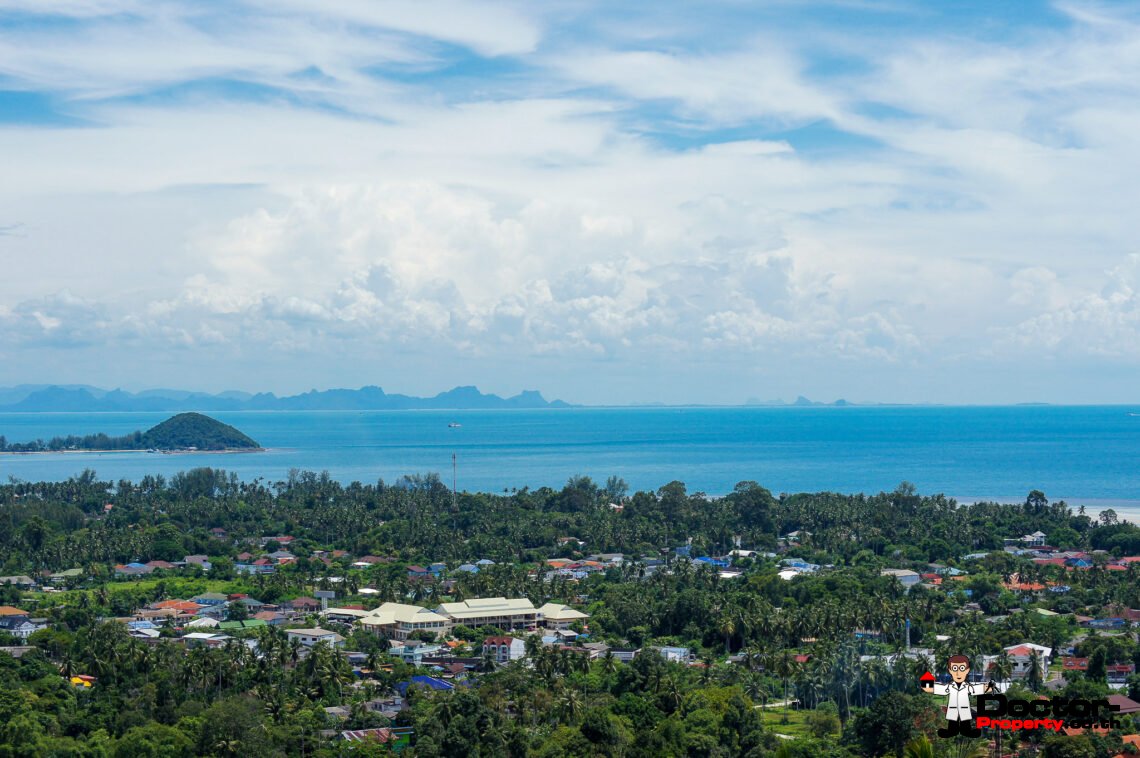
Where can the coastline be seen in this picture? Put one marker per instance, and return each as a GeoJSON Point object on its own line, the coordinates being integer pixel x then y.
{"type": "Point", "coordinates": [149, 451]}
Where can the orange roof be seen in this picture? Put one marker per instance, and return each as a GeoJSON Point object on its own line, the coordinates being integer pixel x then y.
{"type": "Point", "coordinates": [178, 605]}
{"type": "Point", "coordinates": [7, 610]}
{"type": "Point", "coordinates": [1024, 586]}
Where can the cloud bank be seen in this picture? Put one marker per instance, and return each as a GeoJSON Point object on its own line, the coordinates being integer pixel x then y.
{"type": "Point", "coordinates": [611, 203]}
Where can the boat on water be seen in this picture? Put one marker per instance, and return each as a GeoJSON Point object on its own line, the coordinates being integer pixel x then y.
{"type": "Point", "coordinates": [454, 425]}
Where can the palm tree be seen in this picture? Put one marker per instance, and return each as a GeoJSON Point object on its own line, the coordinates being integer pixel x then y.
{"type": "Point", "coordinates": [919, 747]}
{"type": "Point", "coordinates": [570, 705]}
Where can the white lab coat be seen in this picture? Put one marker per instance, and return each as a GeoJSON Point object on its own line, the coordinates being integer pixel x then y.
{"type": "Point", "coordinates": [958, 698]}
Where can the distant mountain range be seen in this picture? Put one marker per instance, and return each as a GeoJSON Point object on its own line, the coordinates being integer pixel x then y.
{"type": "Point", "coordinates": [800, 401]}
{"type": "Point", "coordinates": [83, 398]}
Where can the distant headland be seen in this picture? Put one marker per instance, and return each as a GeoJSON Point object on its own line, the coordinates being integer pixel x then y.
{"type": "Point", "coordinates": [87, 399]}
{"type": "Point", "coordinates": [185, 432]}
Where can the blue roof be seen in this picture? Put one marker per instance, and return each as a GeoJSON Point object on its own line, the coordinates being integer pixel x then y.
{"type": "Point", "coordinates": [424, 681]}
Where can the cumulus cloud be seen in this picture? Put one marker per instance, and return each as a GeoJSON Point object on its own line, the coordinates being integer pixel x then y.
{"type": "Point", "coordinates": [571, 186]}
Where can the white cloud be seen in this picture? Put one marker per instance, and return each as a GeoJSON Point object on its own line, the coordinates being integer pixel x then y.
{"type": "Point", "coordinates": [626, 199]}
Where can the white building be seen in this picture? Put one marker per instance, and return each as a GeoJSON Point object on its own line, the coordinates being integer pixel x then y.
{"type": "Point", "coordinates": [398, 621]}
{"type": "Point", "coordinates": [515, 613]}
{"type": "Point", "coordinates": [559, 617]}
{"type": "Point", "coordinates": [311, 637]}
{"type": "Point", "coordinates": [906, 577]}
{"type": "Point", "coordinates": [504, 649]}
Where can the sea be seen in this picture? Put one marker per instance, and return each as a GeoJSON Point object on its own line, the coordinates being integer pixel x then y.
{"type": "Point", "coordinates": [1085, 455]}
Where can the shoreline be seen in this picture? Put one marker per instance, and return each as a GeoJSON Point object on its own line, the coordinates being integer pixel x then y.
{"type": "Point", "coordinates": [226, 451]}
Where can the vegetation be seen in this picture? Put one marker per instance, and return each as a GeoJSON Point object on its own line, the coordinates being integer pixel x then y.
{"type": "Point", "coordinates": [182, 432]}
{"type": "Point", "coordinates": [806, 667]}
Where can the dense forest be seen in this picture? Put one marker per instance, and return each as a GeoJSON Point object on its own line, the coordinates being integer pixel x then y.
{"type": "Point", "coordinates": [813, 659]}
{"type": "Point", "coordinates": [182, 432]}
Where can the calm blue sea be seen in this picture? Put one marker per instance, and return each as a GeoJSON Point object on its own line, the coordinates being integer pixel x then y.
{"type": "Point", "coordinates": [1081, 454]}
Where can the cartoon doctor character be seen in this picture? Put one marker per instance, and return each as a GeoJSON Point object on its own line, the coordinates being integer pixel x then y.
{"type": "Point", "coordinates": [959, 718]}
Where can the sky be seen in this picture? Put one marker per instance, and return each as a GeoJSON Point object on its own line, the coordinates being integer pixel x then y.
{"type": "Point", "coordinates": [611, 202]}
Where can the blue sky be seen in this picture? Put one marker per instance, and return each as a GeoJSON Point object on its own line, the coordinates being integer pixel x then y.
{"type": "Point", "coordinates": [611, 202]}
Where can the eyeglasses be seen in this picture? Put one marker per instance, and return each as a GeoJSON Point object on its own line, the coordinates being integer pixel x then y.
{"type": "Point", "coordinates": [959, 667]}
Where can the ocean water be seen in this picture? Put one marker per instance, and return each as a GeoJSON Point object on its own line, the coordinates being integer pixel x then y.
{"type": "Point", "coordinates": [1081, 454]}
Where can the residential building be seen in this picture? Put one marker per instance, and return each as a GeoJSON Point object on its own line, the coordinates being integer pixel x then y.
{"type": "Point", "coordinates": [675, 654]}
{"type": "Point", "coordinates": [304, 605]}
{"type": "Point", "coordinates": [20, 582]}
{"type": "Point", "coordinates": [414, 651]}
{"type": "Point", "coordinates": [504, 649]}
{"type": "Point", "coordinates": [272, 618]}
{"type": "Point", "coordinates": [205, 639]}
{"type": "Point", "coordinates": [516, 613]}
{"type": "Point", "coordinates": [1022, 656]}
{"type": "Point", "coordinates": [20, 627]}
{"type": "Point", "coordinates": [210, 599]}
{"type": "Point", "coordinates": [311, 637]}
{"type": "Point", "coordinates": [906, 577]}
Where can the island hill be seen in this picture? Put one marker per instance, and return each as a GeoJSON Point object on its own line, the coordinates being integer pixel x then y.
{"type": "Point", "coordinates": [184, 432]}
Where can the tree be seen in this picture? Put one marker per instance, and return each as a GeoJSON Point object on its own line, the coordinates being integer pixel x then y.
{"type": "Point", "coordinates": [888, 725]}
{"type": "Point", "coordinates": [154, 741]}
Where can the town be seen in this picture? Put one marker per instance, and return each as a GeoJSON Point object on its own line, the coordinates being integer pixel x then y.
{"type": "Point", "coordinates": [797, 641]}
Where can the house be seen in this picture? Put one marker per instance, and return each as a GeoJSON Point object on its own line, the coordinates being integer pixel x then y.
{"type": "Point", "coordinates": [7, 610]}
{"type": "Point", "coordinates": [1118, 673]}
{"type": "Point", "coordinates": [504, 649]}
{"type": "Point", "coordinates": [625, 654]}
{"type": "Point", "coordinates": [345, 615]}
{"type": "Point", "coordinates": [260, 566]}
{"type": "Point", "coordinates": [469, 568]}
{"type": "Point", "coordinates": [396, 737]}
{"type": "Point", "coordinates": [17, 651]}
{"type": "Point", "coordinates": [418, 573]}
{"type": "Point", "coordinates": [133, 569]}
{"type": "Point", "coordinates": [20, 582]}
{"type": "Point", "coordinates": [675, 654]}
{"type": "Point", "coordinates": [304, 605]}
{"type": "Point", "coordinates": [397, 621]}
{"type": "Point", "coordinates": [311, 637]}
{"type": "Point", "coordinates": [906, 577]}
{"type": "Point", "coordinates": [1125, 706]}
{"type": "Point", "coordinates": [272, 618]}
{"type": "Point", "coordinates": [559, 617]}
{"type": "Point", "coordinates": [1037, 539]}
{"type": "Point", "coordinates": [517, 613]}
{"type": "Point", "coordinates": [160, 565]}
{"type": "Point", "coordinates": [200, 561]}
{"type": "Point", "coordinates": [205, 639]}
{"type": "Point", "coordinates": [1072, 663]}
{"type": "Point", "coordinates": [1022, 657]}
{"type": "Point", "coordinates": [424, 682]}
{"type": "Point", "coordinates": [414, 651]}
{"type": "Point", "coordinates": [237, 626]}
{"type": "Point", "coordinates": [210, 599]}
{"type": "Point", "coordinates": [203, 623]}
{"type": "Point", "coordinates": [146, 635]}
{"type": "Point", "coordinates": [20, 627]}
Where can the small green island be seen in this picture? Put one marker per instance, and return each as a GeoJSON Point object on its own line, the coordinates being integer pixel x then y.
{"type": "Point", "coordinates": [186, 432]}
